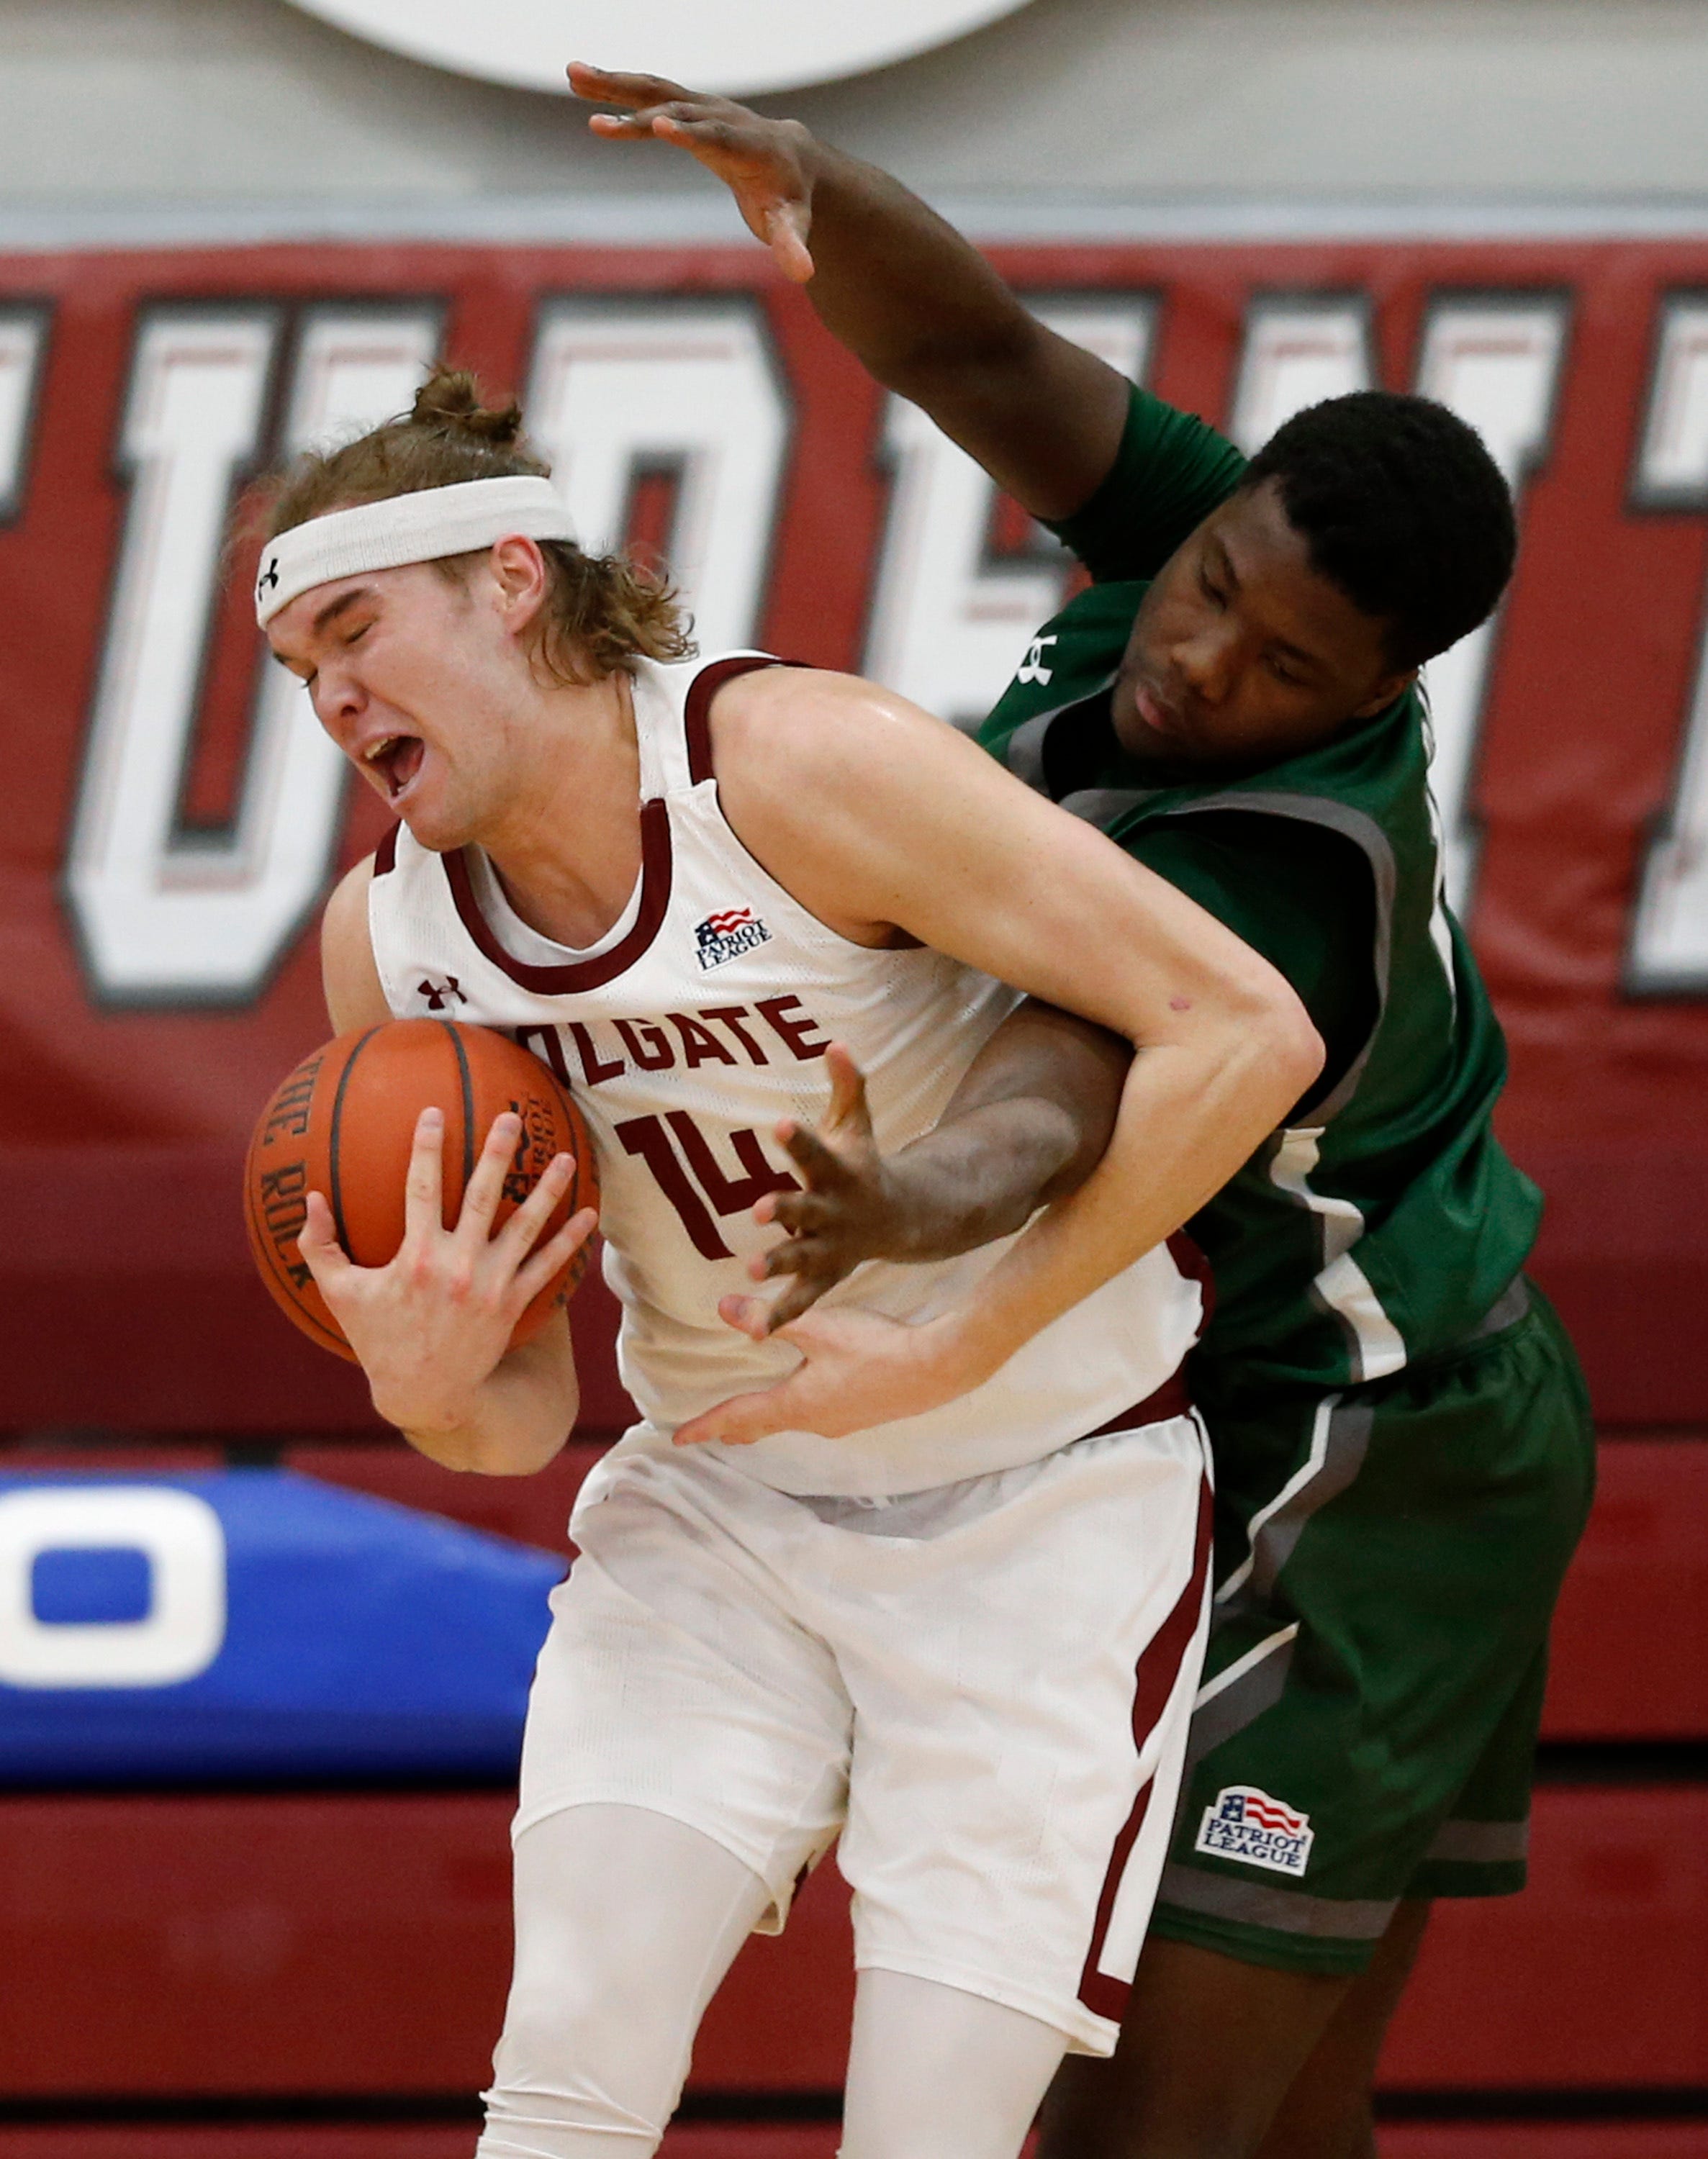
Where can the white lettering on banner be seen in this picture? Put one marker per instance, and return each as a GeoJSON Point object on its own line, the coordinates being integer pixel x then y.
{"type": "Point", "coordinates": [1299, 349]}
{"type": "Point", "coordinates": [1496, 363]}
{"type": "Point", "coordinates": [166, 916]}
{"type": "Point", "coordinates": [1670, 942]}
{"type": "Point", "coordinates": [183, 1630]}
{"type": "Point", "coordinates": [950, 626]}
{"type": "Point", "coordinates": [354, 367]}
{"type": "Point", "coordinates": [197, 392]}
{"type": "Point", "coordinates": [23, 339]}
{"type": "Point", "coordinates": [620, 385]}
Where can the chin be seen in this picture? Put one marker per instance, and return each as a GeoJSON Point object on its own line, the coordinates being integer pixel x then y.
{"type": "Point", "coordinates": [1138, 737]}
{"type": "Point", "coordinates": [439, 834]}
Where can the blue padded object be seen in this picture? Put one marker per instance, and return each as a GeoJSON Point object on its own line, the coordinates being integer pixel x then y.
{"type": "Point", "coordinates": [335, 1637]}
{"type": "Point", "coordinates": [97, 1585]}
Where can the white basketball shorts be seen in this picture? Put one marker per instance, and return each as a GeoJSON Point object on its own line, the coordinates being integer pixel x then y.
{"type": "Point", "coordinates": [984, 1690]}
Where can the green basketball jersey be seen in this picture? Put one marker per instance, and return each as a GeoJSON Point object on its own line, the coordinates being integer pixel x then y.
{"type": "Point", "coordinates": [1384, 1222]}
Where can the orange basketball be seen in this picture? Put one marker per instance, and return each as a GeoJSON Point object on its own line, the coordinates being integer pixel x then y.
{"type": "Point", "coordinates": [343, 1123]}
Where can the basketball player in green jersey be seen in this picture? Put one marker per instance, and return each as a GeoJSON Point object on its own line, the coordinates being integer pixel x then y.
{"type": "Point", "coordinates": [1401, 1434]}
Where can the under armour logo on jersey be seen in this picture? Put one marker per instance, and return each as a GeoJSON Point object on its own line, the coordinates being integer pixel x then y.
{"type": "Point", "coordinates": [438, 995]}
{"type": "Point", "coordinates": [269, 576]}
{"type": "Point", "coordinates": [1031, 669]}
{"type": "Point", "coordinates": [727, 935]}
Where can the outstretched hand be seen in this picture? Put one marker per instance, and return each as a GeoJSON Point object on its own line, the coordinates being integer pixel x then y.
{"type": "Point", "coordinates": [761, 162]}
{"type": "Point", "coordinates": [848, 1210]}
{"type": "Point", "coordinates": [858, 1369]}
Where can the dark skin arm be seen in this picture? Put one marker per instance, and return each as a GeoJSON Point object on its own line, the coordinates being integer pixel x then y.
{"type": "Point", "coordinates": [917, 305]}
{"type": "Point", "coordinates": [1028, 1123]}
{"type": "Point", "coordinates": [928, 316]}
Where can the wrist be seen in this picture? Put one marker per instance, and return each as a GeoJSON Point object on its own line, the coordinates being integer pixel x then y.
{"type": "Point", "coordinates": [964, 1351]}
{"type": "Point", "coordinates": [817, 160]}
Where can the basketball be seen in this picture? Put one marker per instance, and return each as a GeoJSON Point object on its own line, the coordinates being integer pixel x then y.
{"type": "Point", "coordinates": [343, 1123]}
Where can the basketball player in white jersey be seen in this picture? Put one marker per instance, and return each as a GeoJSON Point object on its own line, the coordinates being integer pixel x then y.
{"type": "Point", "coordinates": [921, 1630]}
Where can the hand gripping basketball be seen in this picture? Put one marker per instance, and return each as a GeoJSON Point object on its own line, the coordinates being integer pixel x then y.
{"type": "Point", "coordinates": [430, 1325]}
{"type": "Point", "coordinates": [385, 1236]}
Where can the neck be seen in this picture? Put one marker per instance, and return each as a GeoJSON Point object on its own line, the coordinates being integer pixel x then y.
{"type": "Point", "coordinates": [565, 844]}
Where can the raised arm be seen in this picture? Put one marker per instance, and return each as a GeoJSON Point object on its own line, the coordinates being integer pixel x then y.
{"type": "Point", "coordinates": [918, 304]}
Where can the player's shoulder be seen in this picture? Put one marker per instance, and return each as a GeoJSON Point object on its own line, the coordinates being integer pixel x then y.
{"type": "Point", "coordinates": [343, 919]}
{"type": "Point", "coordinates": [1072, 657]}
{"type": "Point", "coordinates": [348, 972]}
{"type": "Point", "coordinates": [1092, 625]}
{"type": "Point", "coordinates": [795, 726]}
{"type": "Point", "coordinates": [824, 767]}
{"type": "Point", "coordinates": [785, 695]}
{"type": "Point", "coordinates": [347, 900]}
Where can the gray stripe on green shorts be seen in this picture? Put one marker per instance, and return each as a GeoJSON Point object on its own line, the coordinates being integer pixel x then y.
{"type": "Point", "coordinates": [1489, 1844]}
{"type": "Point", "coordinates": [1285, 1911]}
{"type": "Point", "coordinates": [1232, 1708]}
{"type": "Point", "coordinates": [1345, 1440]}
{"type": "Point", "coordinates": [1506, 1311]}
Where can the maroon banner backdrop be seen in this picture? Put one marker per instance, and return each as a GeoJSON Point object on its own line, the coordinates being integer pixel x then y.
{"type": "Point", "coordinates": [172, 817]}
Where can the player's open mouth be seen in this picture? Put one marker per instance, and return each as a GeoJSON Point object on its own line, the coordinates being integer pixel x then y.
{"type": "Point", "coordinates": [396, 758]}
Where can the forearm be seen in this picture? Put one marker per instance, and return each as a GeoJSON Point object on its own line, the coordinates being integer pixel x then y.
{"type": "Point", "coordinates": [911, 299]}
{"type": "Point", "coordinates": [1190, 1116]}
{"type": "Point", "coordinates": [907, 295]}
{"type": "Point", "coordinates": [928, 315]}
{"type": "Point", "coordinates": [513, 1423]}
{"type": "Point", "coordinates": [1033, 1116]}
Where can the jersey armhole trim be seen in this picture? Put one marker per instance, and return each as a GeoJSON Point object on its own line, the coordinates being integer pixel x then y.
{"type": "Point", "coordinates": [696, 728]}
{"type": "Point", "coordinates": [696, 708]}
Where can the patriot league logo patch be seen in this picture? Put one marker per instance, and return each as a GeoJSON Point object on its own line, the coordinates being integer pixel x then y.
{"type": "Point", "coordinates": [728, 936]}
{"type": "Point", "coordinates": [1247, 1824]}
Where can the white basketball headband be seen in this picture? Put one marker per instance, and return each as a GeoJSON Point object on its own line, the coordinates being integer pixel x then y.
{"type": "Point", "coordinates": [421, 527]}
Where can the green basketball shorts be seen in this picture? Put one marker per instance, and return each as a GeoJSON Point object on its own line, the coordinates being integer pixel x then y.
{"type": "Point", "coordinates": [1388, 1560]}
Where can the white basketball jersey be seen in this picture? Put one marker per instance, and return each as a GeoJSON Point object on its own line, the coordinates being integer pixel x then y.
{"type": "Point", "coordinates": [685, 1034]}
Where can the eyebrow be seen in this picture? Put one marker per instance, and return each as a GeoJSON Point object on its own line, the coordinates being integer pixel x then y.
{"type": "Point", "coordinates": [327, 615]}
{"type": "Point", "coordinates": [1297, 652]}
{"type": "Point", "coordinates": [333, 609]}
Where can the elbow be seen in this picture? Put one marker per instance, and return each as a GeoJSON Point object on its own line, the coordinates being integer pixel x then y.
{"type": "Point", "coordinates": [477, 1453]}
{"type": "Point", "coordinates": [1252, 1028]}
{"type": "Point", "coordinates": [1285, 1046]}
{"type": "Point", "coordinates": [515, 1458]}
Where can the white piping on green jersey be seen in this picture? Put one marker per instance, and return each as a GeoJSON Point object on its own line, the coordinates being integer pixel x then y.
{"type": "Point", "coordinates": [1377, 1346]}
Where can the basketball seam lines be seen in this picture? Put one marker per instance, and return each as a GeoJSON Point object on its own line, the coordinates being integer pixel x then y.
{"type": "Point", "coordinates": [468, 1085]}
{"type": "Point", "coordinates": [261, 1243]}
{"type": "Point", "coordinates": [336, 1195]}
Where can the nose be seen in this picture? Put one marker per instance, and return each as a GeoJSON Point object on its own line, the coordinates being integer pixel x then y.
{"type": "Point", "coordinates": [1205, 664]}
{"type": "Point", "coordinates": [338, 699]}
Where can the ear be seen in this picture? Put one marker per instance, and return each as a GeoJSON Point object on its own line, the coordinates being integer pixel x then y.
{"type": "Point", "coordinates": [517, 570]}
{"type": "Point", "coordinates": [1386, 691]}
